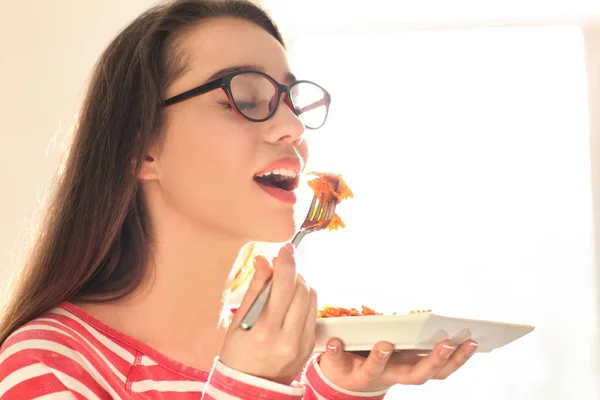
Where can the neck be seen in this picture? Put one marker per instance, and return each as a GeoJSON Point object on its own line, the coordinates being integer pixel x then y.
{"type": "Point", "coordinates": [178, 307]}
{"type": "Point", "coordinates": [186, 280]}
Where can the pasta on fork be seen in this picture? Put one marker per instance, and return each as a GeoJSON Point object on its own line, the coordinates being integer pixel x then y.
{"type": "Point", "coordinates": [324, 186]}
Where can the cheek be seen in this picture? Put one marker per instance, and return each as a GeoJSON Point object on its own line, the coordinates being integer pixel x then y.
{"type": "Point", "coordinates": [195, 142]}
{"type": "Point", "coordinates": [202, 166]}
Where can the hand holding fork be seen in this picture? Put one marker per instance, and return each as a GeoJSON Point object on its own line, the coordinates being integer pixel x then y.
{"type": "Point", "coordinates": [320, 214]}
{"type": "Point", "coordinates": [273, 332]}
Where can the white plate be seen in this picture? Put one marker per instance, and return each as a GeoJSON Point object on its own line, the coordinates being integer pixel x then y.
{"type": "Point", "coordinates": [420, 331]}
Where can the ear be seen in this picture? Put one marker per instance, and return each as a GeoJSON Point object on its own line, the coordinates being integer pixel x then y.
{"type": "Point", "coordinates": [149, 170]}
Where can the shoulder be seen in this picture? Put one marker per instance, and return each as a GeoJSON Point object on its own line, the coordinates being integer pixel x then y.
{"type": "Point", "coordinates": [60, 352]}
{"type": "Point", "coordinates": [56, 333]}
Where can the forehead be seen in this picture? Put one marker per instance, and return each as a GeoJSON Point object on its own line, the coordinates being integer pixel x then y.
{"type": "Point", "coordinates": [227, 42]}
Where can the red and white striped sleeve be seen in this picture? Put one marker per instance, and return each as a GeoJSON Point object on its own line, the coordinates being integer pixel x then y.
{"type": "Point", "coordinates": [226, 383]}
{"type": "Point", "coordinates": [318, 387]}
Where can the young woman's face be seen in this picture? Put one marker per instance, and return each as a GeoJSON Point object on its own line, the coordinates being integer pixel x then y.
{"type": "Point", "coordinates": [209, 156]}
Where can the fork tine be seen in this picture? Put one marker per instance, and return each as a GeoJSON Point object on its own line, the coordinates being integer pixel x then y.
{"type": "Point", "coordinates": [312, 208]}
{"type": "Point", "coordinates": [324, 211]}
{"type": "Point", "coordinates": [318, 211]}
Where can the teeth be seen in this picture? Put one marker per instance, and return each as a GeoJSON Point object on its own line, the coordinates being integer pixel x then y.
{"type": "Point", "coordinates": [282, 172]}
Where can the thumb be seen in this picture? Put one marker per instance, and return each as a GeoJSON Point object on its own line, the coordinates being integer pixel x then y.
{"type": "Point", "coordinates": [262, 272]}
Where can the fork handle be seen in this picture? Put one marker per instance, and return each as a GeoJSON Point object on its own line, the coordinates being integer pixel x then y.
{"type": "Point", "coordinates": [259, 303]}
{"type": "Point", "coordinates": [298, 238]}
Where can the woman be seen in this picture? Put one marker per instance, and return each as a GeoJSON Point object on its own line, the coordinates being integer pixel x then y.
{"type": "Point", "coordinates": [188, 147]}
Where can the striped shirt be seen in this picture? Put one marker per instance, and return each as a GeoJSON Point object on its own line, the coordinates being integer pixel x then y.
{"type": "Point", "coordinates": [68, 354]}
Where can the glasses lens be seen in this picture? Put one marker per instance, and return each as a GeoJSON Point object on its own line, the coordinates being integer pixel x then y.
{"type": "Point", "coordinates": [254, 95]}
{"type": "Point", "coordinates": [311, 104]}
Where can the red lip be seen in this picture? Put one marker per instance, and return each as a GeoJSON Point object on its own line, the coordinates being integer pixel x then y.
{"type": "Point", "coordinates": [289, 162]}
{"type": "Point", "coordinates": [281, 195]}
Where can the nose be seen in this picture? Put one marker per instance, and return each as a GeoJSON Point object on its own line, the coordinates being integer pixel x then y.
{"type": "Point", "coordinates": [284, 125]}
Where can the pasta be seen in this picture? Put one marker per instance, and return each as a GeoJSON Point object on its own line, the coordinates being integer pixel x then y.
{"type": "Point", "coordinates": [324, 186]}
{"type": "Point", "coordinates": [329, 311]}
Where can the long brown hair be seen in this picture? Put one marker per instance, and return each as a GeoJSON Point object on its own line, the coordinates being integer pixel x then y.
{"type": "Point", "coordinates": [93, 240]}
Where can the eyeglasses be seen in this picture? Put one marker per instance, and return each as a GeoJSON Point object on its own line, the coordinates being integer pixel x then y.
{"type": "Point", "coordinates": [255, 96]}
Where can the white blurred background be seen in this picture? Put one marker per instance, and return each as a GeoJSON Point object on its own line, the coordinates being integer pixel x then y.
{"type": "Point", "coordinates": [469, 132]}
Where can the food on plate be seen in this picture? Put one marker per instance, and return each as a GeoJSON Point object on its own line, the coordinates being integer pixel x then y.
{"type": "Point", "coordinates": [329, 311]}
{"type": "Point", "coordinates": [329, 186]}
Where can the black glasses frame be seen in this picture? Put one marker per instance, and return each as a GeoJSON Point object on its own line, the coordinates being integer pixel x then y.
{"type": "Point", "coordinates": [224, 83]}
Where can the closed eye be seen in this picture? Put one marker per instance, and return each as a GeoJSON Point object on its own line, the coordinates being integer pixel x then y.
{"type": "Point", "coordinates": [242, 106]}
{"type": "Point", "coordinates": [246, 106]}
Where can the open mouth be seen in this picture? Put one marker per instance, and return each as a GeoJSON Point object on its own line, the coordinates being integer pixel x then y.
{"type": "Point", "coordinates": [284, 179]}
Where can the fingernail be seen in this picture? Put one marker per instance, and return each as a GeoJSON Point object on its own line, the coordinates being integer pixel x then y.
{"type": "Point", "coordinates": [332, 348]}
{"type": "Point", "coordinates": [472, 348]}
{"type": "Point", "coordinates": [384, 353]}
{"type": "Point", "coordinates": [447, 351]}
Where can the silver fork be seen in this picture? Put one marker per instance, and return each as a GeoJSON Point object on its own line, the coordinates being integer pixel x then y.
{"type": "Point", "coordinates": [320, 214]}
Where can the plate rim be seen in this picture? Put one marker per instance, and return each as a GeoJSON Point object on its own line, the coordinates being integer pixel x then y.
{"type": "Point", "coordinates": [416, 317]}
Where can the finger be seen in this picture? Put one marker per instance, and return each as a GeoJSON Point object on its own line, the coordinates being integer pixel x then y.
{"type": "Point", "coordinates": [335, 357]}
{"type": "Point", "coordinates": [295, 318]}
{"type": "Point", "coordinates": [310, 324]}
{"type": "Point", "coordinates": [262, 272]}
{"type": "Point", "coordinates": [457, 360]}
{"type": "Point", "coordinates": [284, 285]}
{"type": "Point", "coordinates": [428, 366]}
{"type": "Point", "coordinates": [311, 316]}
{"type": "Point", "coordinates": [376, 362]}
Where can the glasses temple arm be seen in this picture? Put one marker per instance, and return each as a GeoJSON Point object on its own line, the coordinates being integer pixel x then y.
{"type": "Point", "coordinates": [312, 106]}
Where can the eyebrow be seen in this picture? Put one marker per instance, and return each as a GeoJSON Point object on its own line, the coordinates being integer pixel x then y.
{"type": "Point", "coordinates": [289, 77]}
